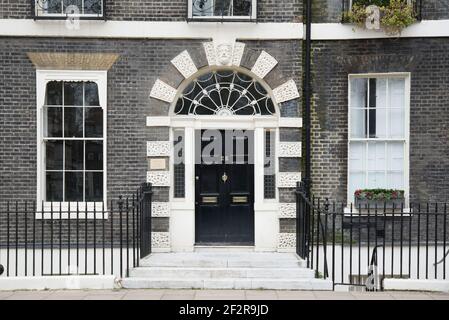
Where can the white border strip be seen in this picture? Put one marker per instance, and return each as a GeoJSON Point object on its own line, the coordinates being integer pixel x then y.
{"type": "Point", "coordinates": [416, 285]}
{"type": "Point", "coordinates": [215, 30]}
{"type": "Point", "coordinates": [74, 282]}
{"type": "Point", "coordinates": [339, 31]}
{"type": "Point", "coordinates": [151, 29]}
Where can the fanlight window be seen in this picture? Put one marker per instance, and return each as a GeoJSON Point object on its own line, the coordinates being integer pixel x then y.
{"type": "Point", "coordinates": [225, 93]}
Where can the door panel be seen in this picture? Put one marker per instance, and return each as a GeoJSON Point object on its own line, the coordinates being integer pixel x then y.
{"type": "Point", "coordinates": [224, 189]}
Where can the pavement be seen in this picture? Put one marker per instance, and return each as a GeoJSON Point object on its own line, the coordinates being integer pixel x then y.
{"type": "Point", "coordinates": [216, 295]}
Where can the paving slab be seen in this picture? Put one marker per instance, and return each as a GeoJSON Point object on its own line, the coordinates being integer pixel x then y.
{"type": "Point", "coordinates": [220, 295]}
{"type": "Point", "coordinates": [29, 295]}
{"type": "Point", "coordinates": [178, 295]}
{"type": "Point", "coordinates": [144, 294]}
{"type": "Point", "coordinates": [372, 295]}
{"type": "Point", "coordinates": [333, 295]}
{"type": "Point", "coordinates": [261, 295]}
{"type": "Point", "coordinates": [295, 295]}
{"type": "Point", "coordinates": [410, 296]}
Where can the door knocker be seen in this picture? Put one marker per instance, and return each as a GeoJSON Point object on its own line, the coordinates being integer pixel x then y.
{"type": "Point", "coordinates": [224, 177]}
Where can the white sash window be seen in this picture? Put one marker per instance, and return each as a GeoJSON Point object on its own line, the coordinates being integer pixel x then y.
{"type": "Point", "coordinates": [378, 132]}
{"type": "Point", "coordinates": [71, 138]}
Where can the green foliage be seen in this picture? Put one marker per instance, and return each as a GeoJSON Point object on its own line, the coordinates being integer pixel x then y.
{"type": "Point", "coordinates": [356, 15]}
{"type": "Point", "coordinates": [395, 14]}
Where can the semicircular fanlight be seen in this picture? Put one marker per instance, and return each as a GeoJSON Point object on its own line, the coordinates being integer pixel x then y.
{"type": "Point", "coordinates": [225, 93]}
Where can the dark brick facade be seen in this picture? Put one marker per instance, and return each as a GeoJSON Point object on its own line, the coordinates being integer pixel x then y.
{"type": "Point", "coordinates": [427, 61]}
{"type": "Point", "coordinates": [435, 9]}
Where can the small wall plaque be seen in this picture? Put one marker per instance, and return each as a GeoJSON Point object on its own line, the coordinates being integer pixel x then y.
{"type": "Point", "coordinates": [158, 164]}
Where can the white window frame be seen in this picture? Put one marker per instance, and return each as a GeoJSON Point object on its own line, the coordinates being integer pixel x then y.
{"type": "Point", "coordinates": [40, 13]}
{"type": "Point", "coordinates": [43, 77]}
{"type": "Point", "coordinates": [253, 15]}
{"type": "Point", "coordinates": [399, 75]}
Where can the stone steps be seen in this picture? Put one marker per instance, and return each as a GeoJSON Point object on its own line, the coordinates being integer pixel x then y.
{"type": "Point", "coordinates": [228, 283]}
{"type": "Point", "coordinates": [222, 269]}
{"type": "Point", "coordinates": [217, 273]}
{"type": "Point", "coordinates": [222, 260]}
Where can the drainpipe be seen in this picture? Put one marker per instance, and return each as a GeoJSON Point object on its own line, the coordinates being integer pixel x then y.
{"type": "Point", "coordinates": [307, 96]}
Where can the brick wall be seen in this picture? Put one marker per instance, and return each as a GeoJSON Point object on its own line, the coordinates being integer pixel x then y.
{"type": "Point", "coordinates": [427, 60]}
{"type": "Point", "coordinates": [435, 9]}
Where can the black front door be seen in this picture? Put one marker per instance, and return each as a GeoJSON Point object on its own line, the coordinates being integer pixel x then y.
{"type": "Point", "coordinates": [224, 187]}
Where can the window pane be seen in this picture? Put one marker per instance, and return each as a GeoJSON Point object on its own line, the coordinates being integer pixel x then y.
{"type": "Point", "coordinates": [376, 156]}
{"type": "Point", "coordinates": [92, 7]}
{"type": "Point", "coordinates": [91, 94]}
{"type": "Point", "coordinates": [376, 179]}
{"type": "Point", "coordinates": [358, 104]}
{"type": "Point", "coordinates": [396, 180]}
{"type": "Point", "coordinates": [202, 8]}
{"type": "Point", "coordinates": [94, 122]}
{"type": "Point", "coordinates": [54, 93]}
{"type": "Point", "coordinates": [396, 156]}
{"type": "Point", "coordinates": [74, 186]}
{"type": "Point", "coordinates": [356, 181]}
{"type": "Point", "coordinates": [94, 155]}
{"type": "Point", "coordinates": [94, 186]}
{"type": "Point", "coordinates": [179, 167]}
{"type": "Point", "coordinates": [222, 7]}
{"type": "Point", "coordinates": [77, 3]}
{"type": "Point", "coordinates": [357, 156]}
{"type": "Point", "coordinates": [54, 186]}
{"type": "Point", "coordinates": [397, 108]}
{"type": "Point", "coordinates": [242, 7]}
{"type": "Point", "coordinates": [53, 122]}
{"type": "Point", "coordinates": [73, 93]}
{"type": "Point", "coordinates": [51, 6]}
{"type": "Point", "coordinates": [358, 123]}
{"type": "Point", "coordinates": [381, 111]}
{"type": "Point", "coordinates": [358, 92]}
{"type": "Point", "coordinates": [54, 155]}
{"type": "Point", "coordinates": [73, 122]}
{"type": "Point", "coordinates": [74, 155]}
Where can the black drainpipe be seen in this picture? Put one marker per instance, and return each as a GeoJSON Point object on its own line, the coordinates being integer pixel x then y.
{"type": "Point", "coordinates": [307, 96]}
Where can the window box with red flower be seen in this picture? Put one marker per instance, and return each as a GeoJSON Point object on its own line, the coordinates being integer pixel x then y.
{"type": "Point", "coordinates": [379, 198]}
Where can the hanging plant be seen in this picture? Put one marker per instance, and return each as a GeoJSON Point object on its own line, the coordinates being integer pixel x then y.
{"type": "Point", "coordinates": [395, 15]}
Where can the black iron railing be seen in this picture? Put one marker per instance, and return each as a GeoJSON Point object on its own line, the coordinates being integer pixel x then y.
{"type": "Point", "coordinates": [63, 9]}
{"type": "Point", "coordinates": [346, 6]}
{"type": "Point", "coordinates": [346, 243]}
{"type": "Point", "coordinates": [51, 239]}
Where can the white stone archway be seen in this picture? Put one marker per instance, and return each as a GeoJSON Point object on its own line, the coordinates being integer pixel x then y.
{"type": "Point", "coordinates": [181, 212]}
